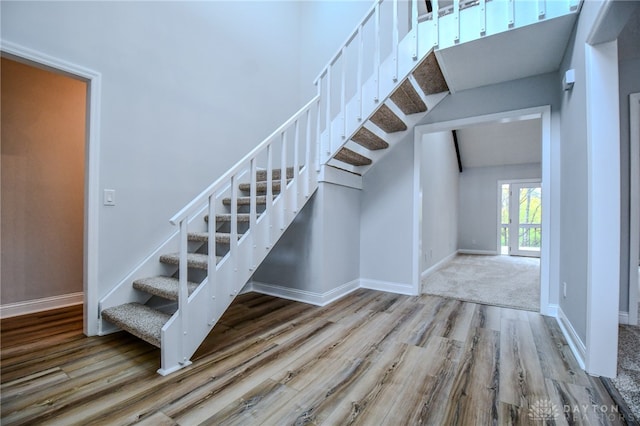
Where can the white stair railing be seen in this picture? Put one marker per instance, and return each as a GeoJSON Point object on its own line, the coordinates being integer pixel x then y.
{"type": "Point", "coordinates": [388, 43]}
{"type": "Point", "coordinates": [289, 150]}
{"type": "Point", "coordinates": [383, 48]}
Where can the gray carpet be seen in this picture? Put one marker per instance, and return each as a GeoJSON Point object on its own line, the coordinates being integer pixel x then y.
{"type": "Point", "coordinates": [628, 380]}
{"type": "Point", "coordinates": [508, 281]}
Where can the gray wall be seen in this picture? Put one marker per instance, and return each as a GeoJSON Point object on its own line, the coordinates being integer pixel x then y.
{"type": "Point", "coordinates": [43, 127]}
{"type": "Point", "coordinates": [320, 250]}
{"type": "Point", "coordinates": [478, 217]}
{"type": "Point", "coordinates": [439, 177]}
{"type": "Point", "coordinates": [512, 95]}
{"type": "Point", "coordinates": [629, 71]}
{"type": "Point", "coordinates": [573, 219]}
{"type": "Point", "coordinates": [386, 224]}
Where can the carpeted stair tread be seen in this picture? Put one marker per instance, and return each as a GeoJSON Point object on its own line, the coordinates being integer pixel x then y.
{"type": "Point", "coordinates": [407, 99]}
{"type": "Point", "coordinates": [140, 320]}
{"type": "Point", "coordinates": [246, 201]}
{"type": "Point", "coordinates": [221, 237]}
{"type": "Point", "coordinates": [429, 76]}
{"type": "Point", "coordinates": [369, 140]}
{"type": "Point", "coordinates": [241, 217]}
{"type": "Point", "coordinates": [261, 175]}
{"type": "Point", "coordinates": [347, 156]}
{"type": "Point", "coordinates": [261, 187]}
{"type": "Point", "coordinates": [194, 260]}
{"type": "Point", "coordinates": [387, 120]}
{"type": "Point", "coordinates": [165, 287]}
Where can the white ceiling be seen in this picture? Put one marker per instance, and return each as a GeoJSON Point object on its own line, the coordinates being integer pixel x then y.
{"type": "Point", "coordinates": [499, 144]}
{"type": "Point", "coordinates": [523, 52]}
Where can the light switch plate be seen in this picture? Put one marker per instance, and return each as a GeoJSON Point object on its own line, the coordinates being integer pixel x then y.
{"type": "Point", "coordinates": [109, 197]}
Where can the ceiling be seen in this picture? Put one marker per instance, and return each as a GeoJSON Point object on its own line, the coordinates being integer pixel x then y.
{"type": "Point", "coordinates": [518, 53]}
{"type": "Point", "coordinates": [501, 143]}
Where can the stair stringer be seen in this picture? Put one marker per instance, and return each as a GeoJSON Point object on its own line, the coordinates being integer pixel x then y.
{"type": "Point", "coordinates": [182, 335]}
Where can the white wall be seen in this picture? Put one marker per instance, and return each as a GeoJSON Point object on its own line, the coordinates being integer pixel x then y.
{"type": "Point", "coordinates": [439, 180]}
{"type": "Point", "coordinates": [324, 26]}
{"type": "Point", "coordinates": [188, 88]}
{"type": "Point", "coordinates": [478, 217]}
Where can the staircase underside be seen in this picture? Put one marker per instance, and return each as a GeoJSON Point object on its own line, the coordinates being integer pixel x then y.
{"type": "Point", "coordinates": [391, 116]}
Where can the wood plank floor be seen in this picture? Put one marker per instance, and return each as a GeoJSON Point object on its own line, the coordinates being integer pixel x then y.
{"type": "Point", "coordinates": [371, 358]}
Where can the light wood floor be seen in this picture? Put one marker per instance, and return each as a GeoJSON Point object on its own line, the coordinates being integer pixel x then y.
{"type": "Point", "coordinates": [371, 358]}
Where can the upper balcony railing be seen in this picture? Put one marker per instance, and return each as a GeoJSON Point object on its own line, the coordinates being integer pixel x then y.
{"type": "Point", "coordinates": [389, 40]}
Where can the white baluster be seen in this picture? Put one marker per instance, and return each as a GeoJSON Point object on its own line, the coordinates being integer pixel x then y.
{"type": "Point", "coordinates": [212, 260]}
{"type": "Point", "coordinates": [414, 28]}
{"type": "Point", "coordinates": [360, 65]}
{"type": "Point", "coordinates": [395, 41]}
{"type": "Point", "coordinates": [483, 16]}
{"type": "Point", "coordinates": [183, 293]}
{"type": "Point", "coordinates": [456, 21]}
{"type": "Point", "coordinates": [296, 167]}
{"type": "Point", "coordinates": [343, 92]}
{"type": "Point", "coordinates": [376, 60]}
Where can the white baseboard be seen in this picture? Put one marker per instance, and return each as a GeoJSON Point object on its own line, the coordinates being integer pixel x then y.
{"type": "Point", "coordinates": [390, 287]}
{"type": "Point", "coordinates": [551, 311]}
{"type": "Point", "coordinates": [480, 252]}
{"type": "Point", "coordinates": [623, 318]}
{"type": "Point", "coordinates": [438, 265]}
{"type": "Point", "coordinates": [313, 298]}
{"type": "Point", "coordinates": [38, 305]}
{"type": "Point", "coordinates": [577, 346]}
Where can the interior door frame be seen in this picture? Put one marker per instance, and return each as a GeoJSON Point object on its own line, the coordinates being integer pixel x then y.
{"type": "Point", "coordinates": [634, 204]}
{"type": "Point", "coordinates": [512, 225]}
{"type": "Point", "coordinates": [549, 252]}
{"type": "Point", "coordinates": [92, 156]}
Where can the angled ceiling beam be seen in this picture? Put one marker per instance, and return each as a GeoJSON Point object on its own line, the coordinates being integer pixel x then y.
{"type": "Point", "coordinates": [455, 144]}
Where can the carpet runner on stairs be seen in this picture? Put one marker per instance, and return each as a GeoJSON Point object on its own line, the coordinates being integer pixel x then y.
{"type": "Point", "coordinates": [146, 322]}
{"type": "Point", "coordinates": [366, 138]}
{"type": "Point", "coordinates": [347, 156]}
{"type": "Point", "coordinates": [428, 77]}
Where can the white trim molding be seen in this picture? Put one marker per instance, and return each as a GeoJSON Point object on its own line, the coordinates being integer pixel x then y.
{"type": "Point", "coordinates": [577, 346]}
{"type": "Point", "coordinates": [304, 296]}
{"type": "Point", "coordinates": [92, 163]}
{"type": "Point", "coordinates": [623, 318]}
{"type": "Point", "coordinates": [634, 202]}
{"type": "Point", "coordinates": [603, 209]}
{"type": "Point", "coordinates": [388, 286]}
{"type": "Point", "coordinates": [479, 252]}
{"type": "Point", "coordinates": [442, 263]}
{"type": "Point", "coordinates": [39, 305]}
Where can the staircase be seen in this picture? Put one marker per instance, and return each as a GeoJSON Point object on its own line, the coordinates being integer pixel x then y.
{"type": "Point", "coordinates": [145, 322]}
{"type": "Point", "coordinates": [369, 98]}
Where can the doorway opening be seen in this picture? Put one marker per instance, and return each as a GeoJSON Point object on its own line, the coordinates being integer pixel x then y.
{"type": "Point", "coordinates": [520, 221]}
{"type": "Point", "coordinates": [43, 168]}
{"type": "Point", "coordinates": [89, 179]}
